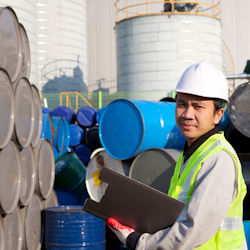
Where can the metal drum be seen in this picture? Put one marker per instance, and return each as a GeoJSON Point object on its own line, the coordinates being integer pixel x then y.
{"type": "Point", "coordinates": [86, 116]}
{"type": "Point", "coordinates": [10, 178]}
{"type": "Point", "coordinates": [2, 238]}
{"type": "Point", "coordinates": [13, 230]}
{"type": "Point", "coordinates": [44, 158]}
{"type": "Point", "coordinates": [69, 227]}
{"type": "Point", "coordinates": [28, 173]}
{"type": "Point", "coordinates": [7, 109]}
{"type": "Point", "coordinates": [25, 48]}
{"type": "Point", "coordinates": [70, 173]}
{"type": "Point", "coordinates": [238, 108]}
{"type": "Point", "coordinates": [38, 116]}
{"type": "Point", "coordinates": [11, 43]}
{"type": "Point", "coordinates": [32, 224]}
{"type": "Point", "coordinates": [24, 104]}
{"type": "Point", "coordinates": [99, 159]}
{"type": "Point", "coordinates": [129, 127]}
{"type": "Point", "coordinates": [65, 112]}
{"type": "Point", "coordinates": [155, 167]}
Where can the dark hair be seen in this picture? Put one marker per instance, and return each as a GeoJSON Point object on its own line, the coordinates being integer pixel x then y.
{"type": "Point", "coordinates": [219, 104]}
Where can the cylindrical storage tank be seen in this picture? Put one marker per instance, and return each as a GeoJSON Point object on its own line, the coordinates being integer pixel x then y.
{"type": "Point", "coordinates": [45, 162]}
{"type": "Point", "coordinates": [38, 116]}
{"type": "Point", "coordinates": [24, 105]}
{"type": "Point", "coordinates": [28, 173]}
{"type": "Point", "coordinates": [26, 13]}
{"type": "Point", "coordinates": [32, 224]}
{"type": "Point", "coordinates": [13, 230]}
{"type": "Point", "coordinates": [53, 17]}
{"type": "Point", "coordinates": [7, 109]}
{"type": "Point", "coordinates": [70, 173]}
{"type": "Point", "coordinates": [10, 178]}
{"type": "Point", "coordinates": [130, 127]}
{"type": "Point", "coordinates": [99, 159]}
{"type": "Point", "coordinates": [10, 46]}
{"type": "Point", "coordinates": [69, 227]}
{"type": "Point", "coordinates": [155, 167]}
{"type": "Point", "coordinates": [2, 238]}
{"type": "Point", "coordinates": [154, 50]}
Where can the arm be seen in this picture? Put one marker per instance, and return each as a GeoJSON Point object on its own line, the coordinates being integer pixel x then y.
{"type": "Point", "coordinates": [214, 191]}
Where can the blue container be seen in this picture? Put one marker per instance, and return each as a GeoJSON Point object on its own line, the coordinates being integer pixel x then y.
{"type": "Point", "coordinates": [83, 152]}
{"type": "Point", "coordinates": [92, 138]}
{"type": "Point", "coordinates": [57, 126]}
{"type": "Point", "coordinates": [69, 227]}
{"type": "Point", "coordinates": [99, 114]}
{"type": "Point", "coordinates": [66, 133]}
{"type": "Point", "coordinates": [46, 128]}
{"type": "Point", "coordinates": [246, 224]}
{"type": "Point", "coordinates": [225, 121]}
{"type": "Point", "coordinates": [129, 127]}
{"type": "Point", "coordinates": [86, 116]}
{"type": "Point", "coordinates": [65, 197]}
{"type": "Point", "coordinates": [46, 110]}
{"type": "Point", "coordinates": [77, 134]}
{"type": "Point", "coordinates": [65, 112]}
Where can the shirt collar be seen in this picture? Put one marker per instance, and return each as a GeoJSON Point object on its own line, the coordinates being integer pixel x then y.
{"type": "Point", "coordinates": [188, 151]}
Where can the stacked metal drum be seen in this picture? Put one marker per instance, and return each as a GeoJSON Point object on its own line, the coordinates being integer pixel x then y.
{"type": "Point", "coordinates": [27, 168]}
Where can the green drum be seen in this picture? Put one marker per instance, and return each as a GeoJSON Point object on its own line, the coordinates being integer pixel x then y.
{"type": "Point", "coordinates": [70, 173]}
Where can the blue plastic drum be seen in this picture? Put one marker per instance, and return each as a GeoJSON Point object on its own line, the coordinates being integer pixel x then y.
{"type": "Point", "coordinates": [66, 133]}
{"type": "Point", "coordinates": [130, 127]}
{"type": "Point", "coordinates": [83, 152]}
{"type": "Point", "coordinates": [246, 224]}
{"type": "Point", "coordinates": [77, 134]}
{"type": "Point", "coordinates": [47, 129]}
{"type": "Point", "coordinates": [46, 110]}
{"type": "Point", "coordinates": [86, 116]}
{"type": "Point", "coordinates": [99, 114]}
{"type": "Point", "coordinates": [69, 227]}
{"type": "Point", "coordinates": [65, 112]}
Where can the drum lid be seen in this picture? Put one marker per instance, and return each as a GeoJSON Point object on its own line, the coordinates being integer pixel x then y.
{"type": "Point", "coordinates": [238, 108]}
{"type": "Point", "coordinates": [45, 169]}
{"type": "Point", "coordinates": [96, 188]}
{"type": "Point", "coordinates": [7, 109]}
{"type": "Point", "coordinates": [28, 174]}
{"type": "Point", "coordinates": [13, 230]}
{"type": "Point", "coordinates": [10, 46]}
{"type": "Point", "coordinates": [25, 48]}
{"type": "Point", "coordinates": [10, 177]}
{"type": "Point", "coordinates": [24, 123]}
{"type": "Point", "coordinates": [38, 116]}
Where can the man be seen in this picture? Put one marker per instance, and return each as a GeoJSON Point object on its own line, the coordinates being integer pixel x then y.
{"type": "Point", "coordinates": [207, 176]}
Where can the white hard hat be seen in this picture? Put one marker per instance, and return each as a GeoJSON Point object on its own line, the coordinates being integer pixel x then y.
{"type": "Point", "coordinates": [203, 79]}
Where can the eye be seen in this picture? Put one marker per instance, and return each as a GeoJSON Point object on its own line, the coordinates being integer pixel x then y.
{"type": "Point", "coordinates": [198, 107]}
{"type": "Point", "coordinates": [180, 105]}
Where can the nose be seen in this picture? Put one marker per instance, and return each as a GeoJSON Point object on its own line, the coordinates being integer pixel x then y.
{"type": "Point", "coordinates": [188, 113]}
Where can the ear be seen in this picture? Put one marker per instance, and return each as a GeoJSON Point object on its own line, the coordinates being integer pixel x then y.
{"type": "Point", "coordinates": [218, 114]}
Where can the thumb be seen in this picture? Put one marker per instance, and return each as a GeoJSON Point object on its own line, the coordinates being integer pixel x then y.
{"type": "Point", "coordinates": [116, 225]}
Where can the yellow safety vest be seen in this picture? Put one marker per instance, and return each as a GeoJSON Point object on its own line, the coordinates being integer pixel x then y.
{"type": "Point", "coordinates": [231, 232]}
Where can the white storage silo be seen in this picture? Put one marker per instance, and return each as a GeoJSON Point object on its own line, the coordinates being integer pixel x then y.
{"type": "Point", "coordinates": [26, 14]}
{"type": "Point", "coordinates": [62, 39]}
{"type": "Point", "coordinates": [154, 47]}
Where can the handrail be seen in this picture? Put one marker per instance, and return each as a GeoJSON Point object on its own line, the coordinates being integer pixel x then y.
{"type": "Point", "coordinates": [127, 9]}
{"type": "Point", "coordinates": [77, 95]}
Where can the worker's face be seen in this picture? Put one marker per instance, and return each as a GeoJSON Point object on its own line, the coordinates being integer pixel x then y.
{"type": "Point", "coordinates": [195, 116]}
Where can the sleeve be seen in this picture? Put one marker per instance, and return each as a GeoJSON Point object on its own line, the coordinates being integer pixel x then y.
{"type": "Point", "coordinates": [215, 189]}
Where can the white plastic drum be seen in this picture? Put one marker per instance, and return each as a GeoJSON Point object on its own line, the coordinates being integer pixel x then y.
{"type": "Point", "coordinates": [25, 48]}
{"type": "Point", "coordinates": [96, 188]}
{"type": "Point", "coordinates": [32, 222]}
{"type": "Point", "coordinates": [44, 157]}
{"type": "Point", "coordinates": [13, 230]}
{"type": "Point", "coordinates": [10, 43]}
{"type": "Point", "coordinates": [10, 178]}
{"type": "Point", "coordinates": [38, 116]}
{"type": "Point", "coordinates": [51, 201]}
{"type": "Point", "coordinates": [7, 109]}
{"type": "Point", "coordinates": [24, 104]}
{"type": "Point", "coordinates": [155, 167]}
{"type": "Point", "coordinates": [28, 174]}
{"type": "Point", "coordinates": [2, 239]}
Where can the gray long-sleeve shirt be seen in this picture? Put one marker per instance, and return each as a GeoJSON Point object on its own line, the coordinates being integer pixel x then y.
{"type": "Point", "coordinates": [215, 189]}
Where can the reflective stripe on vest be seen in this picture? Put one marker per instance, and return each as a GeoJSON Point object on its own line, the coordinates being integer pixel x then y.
{"type": "Point", "coordinates": [182, 187]}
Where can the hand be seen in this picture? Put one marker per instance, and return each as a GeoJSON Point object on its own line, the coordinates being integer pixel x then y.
{"type": "Point", "coordinates": [121, 231]}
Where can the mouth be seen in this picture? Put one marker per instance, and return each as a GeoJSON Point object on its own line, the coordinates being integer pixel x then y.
{"type": "Point", "coordinates": [187, 126]}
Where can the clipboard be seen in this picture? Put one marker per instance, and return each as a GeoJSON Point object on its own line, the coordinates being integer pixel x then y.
{"type": "Point", "coordinates": [134, 204]}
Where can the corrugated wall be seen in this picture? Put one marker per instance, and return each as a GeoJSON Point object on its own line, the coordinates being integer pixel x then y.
{"type": "Point", "coordinates": [101, 43]}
